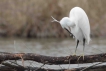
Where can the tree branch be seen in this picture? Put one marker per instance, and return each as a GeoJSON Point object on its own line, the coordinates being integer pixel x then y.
{"type": "Point", "coordinates": [10, 67]}
{"type": "Point", "coordinates": [53, 60]}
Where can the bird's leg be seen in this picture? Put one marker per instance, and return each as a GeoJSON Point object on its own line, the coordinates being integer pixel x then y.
{"type": "Point", "coordinates": [83, 50]}
{"type": "Point", "coordinates": [83, 47]}
{"type": "Point", "coordinates": [76, 47]}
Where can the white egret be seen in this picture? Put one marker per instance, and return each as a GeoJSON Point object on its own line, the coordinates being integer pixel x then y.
{"type": "Point", "coordinates": [78, 25]}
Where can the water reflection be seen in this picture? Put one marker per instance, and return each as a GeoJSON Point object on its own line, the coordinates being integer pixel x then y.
{"type": "Point", "coordinates": [54, 47]}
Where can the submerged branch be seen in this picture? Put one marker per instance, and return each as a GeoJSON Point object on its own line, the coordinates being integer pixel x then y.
{"type": "Point", "coordinates": [12, 67]}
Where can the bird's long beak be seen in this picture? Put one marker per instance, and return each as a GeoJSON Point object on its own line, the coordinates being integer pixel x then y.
{"type": "Point", "coordinates": [69, 32]}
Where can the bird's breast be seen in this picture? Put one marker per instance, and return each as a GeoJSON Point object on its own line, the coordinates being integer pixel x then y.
{"type": "Point", "coordinates": [77, 33]}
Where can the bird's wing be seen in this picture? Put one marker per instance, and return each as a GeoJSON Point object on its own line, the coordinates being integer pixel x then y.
{"type": "Point", "coordinates": [83, 24]}
{"type": "Point", "coordinates": [82, 21]}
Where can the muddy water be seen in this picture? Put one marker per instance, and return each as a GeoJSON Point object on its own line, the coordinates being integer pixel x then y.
{"type": "Point", "coordinates": [51, 47]}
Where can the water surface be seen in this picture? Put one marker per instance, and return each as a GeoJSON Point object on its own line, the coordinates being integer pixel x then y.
{"type": "Point", "coordinates": [51, 47]}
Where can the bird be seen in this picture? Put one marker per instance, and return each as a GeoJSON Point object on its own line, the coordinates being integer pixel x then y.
{"type": "Point", "coordinates": [77, 24]}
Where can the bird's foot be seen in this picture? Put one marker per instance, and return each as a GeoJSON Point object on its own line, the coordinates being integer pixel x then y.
{"type": "Point", "coordinates": [80, 57]}
{"type": "Point", "coordinates": [74, 54]}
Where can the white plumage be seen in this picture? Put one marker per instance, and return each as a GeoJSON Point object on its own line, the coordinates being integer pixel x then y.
{"type": "Point", "coordinates": [78, 24]}
{"type": "Point", "coordinates": [82, 24]}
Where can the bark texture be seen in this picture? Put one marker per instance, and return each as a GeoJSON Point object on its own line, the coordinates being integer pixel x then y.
{"type": "Point", "coordinates": [5, 66]}
{"type": "Point", "coordinates": [53, 60]}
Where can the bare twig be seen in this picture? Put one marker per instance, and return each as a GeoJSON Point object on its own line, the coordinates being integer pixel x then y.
{"type": "Point", "coordinates": [8, 67]}
{"type": "Point", "coordinates": [40, 67]}
{"type": "Point", "coordinates": [91, 66]}
{"type": "Point", "coordinates": [54, 20]}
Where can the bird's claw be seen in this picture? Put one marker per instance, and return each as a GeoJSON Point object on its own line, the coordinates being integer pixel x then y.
{"type": "Point", "coordinates": [80, 57]}
{"type": "Point", "coordinates": [74, 54]}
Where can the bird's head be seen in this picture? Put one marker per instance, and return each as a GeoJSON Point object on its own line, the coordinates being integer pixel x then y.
{"type": "Point", "coordinates": [65, 22]}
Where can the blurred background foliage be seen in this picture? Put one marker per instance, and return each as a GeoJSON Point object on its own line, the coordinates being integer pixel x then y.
{"type": "Point", "coordinates": [32, 18]}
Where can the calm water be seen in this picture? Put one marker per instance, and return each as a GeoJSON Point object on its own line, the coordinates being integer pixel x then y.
{"type": "Point", "coordinates": [51, 47]}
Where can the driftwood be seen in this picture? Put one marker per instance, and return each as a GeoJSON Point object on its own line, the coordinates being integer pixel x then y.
{"type": "Point", "coordinates": [10, 67]}
{"type": "Point", "coordinates": [50, 60]}
{"type": "Point", "coordinates": [53, 60]}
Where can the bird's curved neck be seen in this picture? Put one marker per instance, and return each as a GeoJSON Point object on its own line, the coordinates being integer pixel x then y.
{"type": "Point", "coordinates": [71, 23]}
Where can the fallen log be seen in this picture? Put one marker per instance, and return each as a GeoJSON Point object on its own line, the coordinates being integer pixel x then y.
{"type": "Point", "coordinates": [53, 60]}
